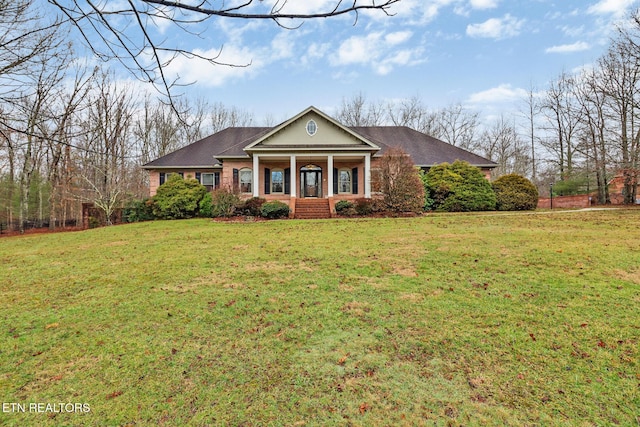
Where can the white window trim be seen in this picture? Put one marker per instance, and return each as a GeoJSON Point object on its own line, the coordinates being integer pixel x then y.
{"type": "Point", "coordinates": [213, 178]}
{"type": "Point", "coordinates": [315, 127]}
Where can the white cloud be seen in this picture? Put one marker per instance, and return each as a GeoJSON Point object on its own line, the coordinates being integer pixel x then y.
{"type": "Point", "coordinates": [378, 50]}
{"type": "Point", "coordinates": [418, 12]}
{"type": "Point", "coordinates": [568, 48]}
{"type": "Point", "coordinates": [613, 7]}
{"type": "Point", "coordinates": [484, 4]}
{"type": "Point", "coordinates": [360, 49]}
{"type": "Point", "coordinates": [398, 37]}
{"type": "Point", "coordinates": [496, 28]}
{"type": "Point", "coordinates": [501, 94]}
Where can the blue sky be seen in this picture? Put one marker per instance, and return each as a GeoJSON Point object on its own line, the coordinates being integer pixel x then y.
{"type": "Point", "coordinates": [485, 54]}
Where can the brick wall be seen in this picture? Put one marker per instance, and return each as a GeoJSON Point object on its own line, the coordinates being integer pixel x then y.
{"type": "Point", "coordinates": [580, 201]}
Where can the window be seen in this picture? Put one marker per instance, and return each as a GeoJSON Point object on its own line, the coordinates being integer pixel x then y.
{"type": "Point", "coordinates": [211, 180]}
{"type": "Point", "coordinates": [312, 127]}
{"type": "Point", "coordinates": [164, 176]}
{"type": "Point", "coordinates": [277, 181]}
{"type": "Point", "coordinates": [246, 177]}
{"type": "Point", "coordinates": [344, 181]}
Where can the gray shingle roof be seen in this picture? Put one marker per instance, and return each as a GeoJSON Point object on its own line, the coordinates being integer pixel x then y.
{"type": "Point", "coordinates": [202, 153]}
{"type": "Point", "coordinates": [423, 149]}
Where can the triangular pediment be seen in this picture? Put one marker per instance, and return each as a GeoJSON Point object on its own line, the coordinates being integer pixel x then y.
{"type": "Point", "coordinates": [311, 130]}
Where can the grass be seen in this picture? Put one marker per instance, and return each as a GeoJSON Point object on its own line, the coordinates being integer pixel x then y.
{"type": "Point", "coordinates": [442, 320]}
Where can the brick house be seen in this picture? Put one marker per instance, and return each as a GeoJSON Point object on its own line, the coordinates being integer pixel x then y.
{"type": "Point", "coordinates": [311, 156]}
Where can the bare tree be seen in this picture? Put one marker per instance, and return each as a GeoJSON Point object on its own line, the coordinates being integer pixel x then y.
{"type": "Point", "coordinates": [106, 156]}
{"type": "Point", "coordinates": [24, 37]}
{"type": "Point", "coordinates": [595, 129]}
{"type": "Point", "coordinates": [222, 117]}
{"type": "Point", "coordinates": [563, 118]}
{"type": "Point", "coordinates": [358, 111]}
{"type": "Point", "coordinates": [501, 144]}
{"type": "Point", "coordinates": [458, 126]}
{"type": "Point", "coordinates": [121, 31]}
{"type": "Point", "coordinates": [532, 110]}
{"type": "Point", "coordinates": [413, 113]}
{"type": "Point", "coordinates": [621, 84]}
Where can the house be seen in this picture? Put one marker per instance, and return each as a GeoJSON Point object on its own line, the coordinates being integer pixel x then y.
{"type": "Point", "coordinates": [308, 157]}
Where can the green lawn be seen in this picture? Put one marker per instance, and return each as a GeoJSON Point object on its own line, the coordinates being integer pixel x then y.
{"type": "Point", "coordinates": [489, 319]}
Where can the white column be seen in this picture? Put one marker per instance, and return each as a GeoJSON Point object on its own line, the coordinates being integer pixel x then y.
{"type": "Point", "coordinates": [330, 175]}
{"type": "Point", "coordinates": [367, 176]}
{"type": "Point", "coordinates": [256, 175]}
{"type": "Point", "coordinates": [292, 175]}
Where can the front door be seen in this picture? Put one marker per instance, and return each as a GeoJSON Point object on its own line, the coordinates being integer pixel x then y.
{"type": "Point", "coordinates": [311, 180]}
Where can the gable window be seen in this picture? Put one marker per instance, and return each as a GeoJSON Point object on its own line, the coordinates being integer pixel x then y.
{"type": "Point", "coordinates": [246, 178]}
{"type": "Point", "coordinates": [312, 127]}
{"type": "Point", "coordinates": [344, 181]}
{"type": "Point", "coordinates": [277, 181]}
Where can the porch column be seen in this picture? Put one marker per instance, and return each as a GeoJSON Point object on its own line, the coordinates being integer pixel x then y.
{"type": "Point", "coordinates": [256, 175]}
{"type": "Point", "coordinates": [330, 175]}
{"type": "Point", "coordinates": [367, 175]}
{"type": "Point", "coordinates": [292, 175]}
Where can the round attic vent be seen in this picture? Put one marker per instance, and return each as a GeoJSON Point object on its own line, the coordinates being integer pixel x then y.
{"type": "Point", "coordinates": [312, 127]}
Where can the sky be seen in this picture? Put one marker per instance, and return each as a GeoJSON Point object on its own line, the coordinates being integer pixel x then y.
{"type": "Point", "coordinates": [484, 54]}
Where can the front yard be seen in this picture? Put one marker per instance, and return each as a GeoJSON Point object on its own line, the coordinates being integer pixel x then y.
{"type": "Point", "coordinates": [482, 319]}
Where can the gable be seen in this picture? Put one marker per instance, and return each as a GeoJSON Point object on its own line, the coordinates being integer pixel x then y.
{"type": "Point", "coordinates": [328, 133]}
{"type": "Point", "coordinates": [296, 134]}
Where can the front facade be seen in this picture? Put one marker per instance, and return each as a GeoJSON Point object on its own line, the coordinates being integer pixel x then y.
{"type": "Point", "coordinates": [310, 156]}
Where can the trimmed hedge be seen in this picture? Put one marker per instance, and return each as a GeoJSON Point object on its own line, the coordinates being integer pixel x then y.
{"type": "Point", "coordinates": [274, 210]}
{"type": "Point", "coordinates": [178, 198]}
{"type": "Point", "coordinates": [515, 193]}
{"type": "Point", "coordinates": [458, 187]}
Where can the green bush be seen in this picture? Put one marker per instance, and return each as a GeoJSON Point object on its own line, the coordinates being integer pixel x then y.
{"type": "Point", "coordinates": [458, 187]}
{"type": "Point", "coordinates": [139, 210]}
{"type": "Point", "coordinates": [178, 198]}
{"type": "Point", "coordinates": [569, 187]}
{"type": "Point", "coordinates": [343, 205]}
{"type": "Point", "coordinates": [205, 207]}
{"type": "Point", "coordinates": [515, 193]}
{"type": "Point", "coordinates": [251, 207]}
{"type": "Point", "coordinates": [224, 203]}
{"type": "Point", "coordinates": [345, 208]}
{"type": "Point", "coordinates": [275, 209]}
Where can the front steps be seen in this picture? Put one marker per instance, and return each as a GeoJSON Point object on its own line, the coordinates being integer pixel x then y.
{"type": "Point", "coordinates": [312, 209]}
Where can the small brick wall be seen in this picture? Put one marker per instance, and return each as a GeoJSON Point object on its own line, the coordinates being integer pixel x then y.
{"type": "Point", "coordinates": [580, 201]}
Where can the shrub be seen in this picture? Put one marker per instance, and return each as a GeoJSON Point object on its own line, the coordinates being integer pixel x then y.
{"type": "Point", "coordinates": [178, 198]}
{"type": "Point", "coordinates": [343, 205]}
{"type": "Point", "coordinates": [458, 187]}
{"type": "Point", "coordinates": [205, 207]}
{"type": "Point", "coordinates": [251, 207]}
{"type": "Point", "coordinates": [400, 182]}
{"type": "Point", "coordinates": [515, 193]}
{"type": "Point", "coordinates": [139, 210]}
{"type": "Point", "coordinates": [364, 207]}
{"type": "Point", "coordinates": [345, 208]}
{"type": "Point", "coordinates": [223, 203]}
{"type": "Point", "coordinates": [274, 210]}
